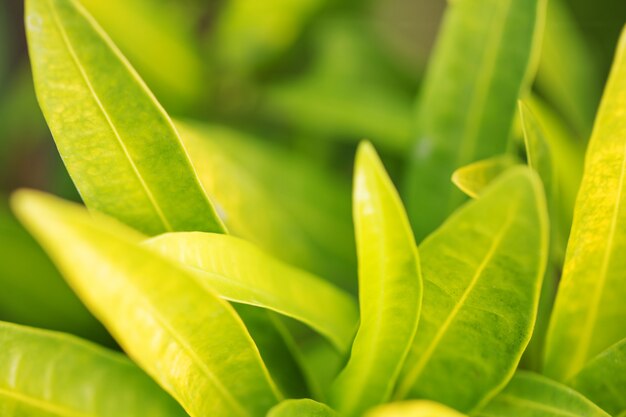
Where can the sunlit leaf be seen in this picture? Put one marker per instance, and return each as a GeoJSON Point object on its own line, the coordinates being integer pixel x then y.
{"type": "Point", "coordinates": [281, 202]}
{"type": "Point", "coordinates": [473, 178]}
{"type": "Point", "coordinates": [482, 273]}
{"type": "Point", "coordinates": [589, 312]}
{"type": "Point", "coordinates": [301, 408]}
{"type": "Point", "coordinates": [183, 335]}
{"type": "Point", "coordinates": [118, 144]}
{"type": "Point", "coordinates": [415, 408]}
{"type": "Point", "coordinates": [531, 395]}
{"type": "Point", "coordinates": [49, 374]}
{"type": "Point", "coordinates": [603, 379]}
{"type": "Point", "coordinates": [390, 289]}
{"type": "Point", "coordinates": [468, 99]}
{"type": "Point", "coordinates": [240, 272]}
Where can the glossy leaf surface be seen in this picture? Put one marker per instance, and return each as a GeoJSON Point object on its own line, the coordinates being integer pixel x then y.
{"type": "Point", "coordinates": [390, 289]}
{"type": "Point", "coordinates": [415, 408]}
{"type": "Point", "coordinates": [183, 335]}
{"type": "Point", "coordinates": [473, 178]}
{"type": "Point", "coordinates": [589, 313]}
{"type": "Point", "coordinates": [49, 374]}
{"type": "Point", "coordinates": [603, 379]}
{"type": "Point", "coordinates": [532, 395]}
{"type": "Point", "coordinates": [468, 99]}
{"type": "Point", "coordinates": [301, 408]}
{"type": "Point", "coordinates": [306, 211]}
{"type": "Point", "coordinates": [118, 144]}
{"type": "Point", "coordinates": [482, 274]}
{"type": "Point", "coordinates": [240, 272]}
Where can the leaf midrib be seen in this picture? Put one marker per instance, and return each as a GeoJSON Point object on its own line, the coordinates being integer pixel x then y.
{"type": "Point", "coordinates": [409, 381]}
{"type": "Point", "coordinates": [41, 404]}
{"type": "Point", "coordinates": [117, 135]}
{"type": "Point", "coordinates": [535, 405]}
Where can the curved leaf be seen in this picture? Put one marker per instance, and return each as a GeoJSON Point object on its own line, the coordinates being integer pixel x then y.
{"type": "Point", "coordinates": [240, 272]}
{"type": "Point", "coordinates": [589, 312]}
{"type": "Point", "coordinates": [118, 144]}
{"type": "Point", "coordinates": [603, 379]}
{"type": "Point", "coordinates": [482, 274]}
{"type": "Point", "coordinates": [301, 408]}
{"type": "Point", "coordinates": [415, 408]}
{"type": "Point", "coordinates": [306, 211]}
{"type": "Point", "coordinates": [473, 178]}
{"type": "Point", "coordinates": [468, 100]}
{"type": "Point", "coordinates": [390, 289]}
{"type": "Point", "coordinates": [184, 336]}
{"type": "Point", "coordinates": [531, 395]}
{"type": "Point", "coordinates": [45, 374]}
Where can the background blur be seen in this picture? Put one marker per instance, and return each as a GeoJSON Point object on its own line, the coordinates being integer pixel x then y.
{"type": "Point", "coordinates": [316, 76]}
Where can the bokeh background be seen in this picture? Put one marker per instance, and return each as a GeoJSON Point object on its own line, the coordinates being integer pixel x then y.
{"type": "Point", "coordinates": [314, 76]}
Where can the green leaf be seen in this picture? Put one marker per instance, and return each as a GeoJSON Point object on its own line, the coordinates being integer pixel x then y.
{"type": "Point", "coordinates": [306, 211]}
{"type": "Point", "coordinates": [390, 289]}
{"type": "Point", "coordinates": [482, 273]}
{"type": "Point", "coordinates": [538, 154]}
{"type": "Point", "coordinates": [473, 178]}
{"type": "Point", "coordinates": [568, 73]}
{"type": "Point", "coordinates": [531, 395]}
{"type": "Point", "coordinates": [603, 379]}
{"type": "Point", "coordinates": [49, 374]}
{"type": "Point", "coordinates": [33, 292]}
{"type": "Point", "coordinates": [119, 146]}
{"type": "Point", "coordinates": [468, 99]}
{"type": "Point", "coordinates": [301, 408]}
{"type": "Point", "coordinates": [415, 408]}
{"type": "Point", "coordinates": [240, 272]}
{"type": "Point", "coordinates": [589, 312]}
{"type": "Point", "coordinates": [183, 335]}
{"type": "Point", "coordinates": [159, 41]}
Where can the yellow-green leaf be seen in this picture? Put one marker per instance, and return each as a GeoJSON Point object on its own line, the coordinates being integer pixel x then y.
{"type": "Point", "coordinates": [473, 178]}
{"type": "Point", "coordinates": [240, 272]}
{"type": "Point", "coordinates": [390, 289]}
{"type": "Point", "coordinates": [603, 379]}
{"type": "Point", "coordinates": [468, 99]}
{"type": "Point", "coordinates": [301, 408]}
{"type": "Point", "coordinates": [414, 408]}
{"type": "Point", "coordinates": [183, 335]}
{"type": "Point", "coordinates": [531, 395]}
{"type": "Point", "coordinates": [482, 274]}
{"type": "Point", "coordinates": [118, 144]}
{"type": "Point", "coordinates": [590, 313]}
{"type": "Point", "coordinates": [49, 374]}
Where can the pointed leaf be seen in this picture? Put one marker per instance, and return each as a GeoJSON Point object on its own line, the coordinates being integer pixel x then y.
{"type": "Point", "coordinates": [306, 211]}
{"type": "Point", "coordinates": [301, 408]}
{"type": "Point", "coordinates": [415, 408]}
{"type": "Point", "coordinates": [183, 335]}
{"type": "Point", "coordinates": [240, 272]}
{"type": "Point", "coordinates": [468, 100]}
{"type": "Point", "coordinates": [531, 395]}
{"type": "Point", "coordinates": [118, 144]}
{"type": "Point", "coordinates": [482, 273]}
{"type": "Point", "coordinates": [472, 179]}
{"type": "Point", "coordinates": [603, 379]}
{"type": "Point", "coordinates": [589, 312]}
{"type": "Point", "coordinates": [46, 374]}
{"type": "Point", "coordinates": [390, 289]}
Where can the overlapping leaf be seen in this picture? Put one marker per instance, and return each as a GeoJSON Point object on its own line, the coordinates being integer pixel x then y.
{"type": "Point", "coordinates": [390, 290]}
{"type": "Point", "coordinates": [49, 374]}
{"type": "Point", "coordinates": [301, 408]}
{"type": "Point", "coordinates": [183, 335]}
{"type": "Point", "coordinates": [473, 178]}
{"type": "Point", "coordinates": [118, 144]}
{"type": "Point", "coordinates": [415, 408]}
{"type": "Point", "coordinates": [468, 99]}
{"type": "Point", "coordinates": [482, 274]}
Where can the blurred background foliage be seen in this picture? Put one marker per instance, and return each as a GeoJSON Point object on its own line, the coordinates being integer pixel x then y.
{"type": "Point", "coordinates": [298, 81]}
